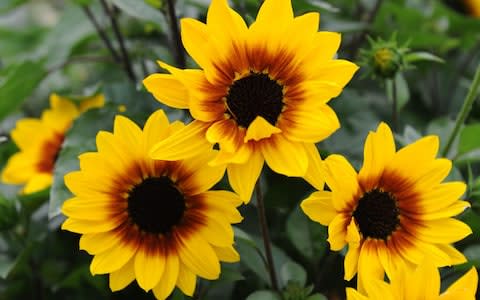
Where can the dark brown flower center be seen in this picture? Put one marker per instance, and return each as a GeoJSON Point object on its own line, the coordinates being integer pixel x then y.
{"type": "Point", "coordinates": [156, 205]}
{"type": "Point", "coordinates": [377, 214]}
{"type": "Point", "coordinates": [255, 95]}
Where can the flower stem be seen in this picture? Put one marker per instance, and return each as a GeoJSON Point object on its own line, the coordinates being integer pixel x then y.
{"type": "Point", "coordinates": [177, 40]}
{"type": "Point", "coordinates": [126, 59]}
{"type": "Point", "coordinates": [465, 110]}
{"type": "Point", "coordinates": [101, 33]}
{"type": "Point", "coordinates": [266, 236]}
{"type": "Point", "coordinates": [394, 105]}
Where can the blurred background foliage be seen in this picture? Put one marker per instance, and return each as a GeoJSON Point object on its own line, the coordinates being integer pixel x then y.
{"type": "Point", "coordinates": [54, 46]}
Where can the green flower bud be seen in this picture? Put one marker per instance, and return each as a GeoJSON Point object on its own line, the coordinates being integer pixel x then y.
{"type": "Point", "coordinates": [8, 214]}
{"type": "Point", "coordinates": [386, 62]}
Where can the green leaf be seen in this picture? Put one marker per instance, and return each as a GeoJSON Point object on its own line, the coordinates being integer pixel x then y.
{"type": "Point", "coordinates": [20, 81]}
{"type": "Point", "coordinates": [141, 10]}
{"type": "Point", "coordinates": [263, 295]}
{"type": "Point", "coordinates": [469, 138]}
{"type": "Point", "coordinates": [293, 272]}
{"type": "Point", "coordinates": [422, 56]}
{"type": "Point", "coordinates": [308, 237]}
{"type": "Point", "coordinates": [472, 253]}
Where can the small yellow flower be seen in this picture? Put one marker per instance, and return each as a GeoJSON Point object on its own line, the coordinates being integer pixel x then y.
{"type": "Point", "coordinates": [261, 94]}
{"type": "Point", "coordinates": [148, 220]}
{"type": "Point", "coordinates": [421, 284]}
{"type": "Point", "coordinates": [40, 141]}
{"type": "Point", "coordinates": [395, 211]}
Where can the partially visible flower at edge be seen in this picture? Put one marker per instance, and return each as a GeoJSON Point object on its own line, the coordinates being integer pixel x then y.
{"type": "Point", "coordinates": [156, 222]}
{"type": "Point", "coordinates": [422, 283]}
{"type": "Point", "coordinates": [40, 141]}
{"type": "Point", "coordinates": [262, 94]}
{"type": "Point", "coordinates": [395, 211]}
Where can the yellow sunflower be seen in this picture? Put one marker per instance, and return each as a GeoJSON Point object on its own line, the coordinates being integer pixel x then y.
{"type": "Point", "coordinates": [150, 220]}
{"type": "Point", "coordinates": [423, 283]}
{"type": "Point", "coordinates": [262, 92]}
{"type": "Point", "coordinates": [395, 211]}
{"type": "Point", "coordinates": [40, 141]}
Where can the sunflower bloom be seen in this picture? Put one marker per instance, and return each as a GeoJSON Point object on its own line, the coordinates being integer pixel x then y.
{"type": "Point", "coordinates": [261, 94]}
{"type": "Point", "coordinates": [423, 283]}
{"type": "Point", "coordinates": [153, 221]}
{"type": "Point", "coordinates": [40, 141]}
{"type": "Point", "coordinates": [395, 211]}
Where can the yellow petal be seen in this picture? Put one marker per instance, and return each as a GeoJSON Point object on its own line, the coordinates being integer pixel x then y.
{"type": "Point", "coordinates": [156, 129]}
{"type": "Point", "coordinates": [85, 226]}
{"type": "Point", "coordinates": [378, 289]}
{"type": "Point", "coordinates": [412, 160]}
{"type": "Point", "coordinates": [319, 207]}
{"type": "Point", "coordinates": [325, 45]}
{"type": "Point", "coordinates": [442, 196]}
{"type": "Point", "coordinates": [227, 254]}
{"type": "Point", "coordinates": [226, 133]}
{"type": "Point", "coordinates": [195, 39]}
{"type": "Point", "coordinates": [170, 275]}
{"type": "Point", "coordinates": [223, 203]}
{"type": "Point", "coordinates": [198, 256]}
{"type": "Point", "coordinates": [119, 279]}
{"type": "Point", "coordinates": [186, 280]}
{"type": "Point", "coordinates": [355, 295]}
{"type": "Point", "coordinates": [351, 261]}
{"type": "Point", "coordinates": [260, 129]}
{"type": "Point", "coordinates": [113, 260]}
{"type": "Point", "coordinates": [369, 267]}
{"type": "Point", "coordinates": [243, 177]}
{"type": "Point", "coordinates": [19, 169]}
{"type": "Point", "coordinates": [229, 31]}
{"type": "Point", "coordinates": [167, 89]}
{"type": "Point", "coordinates": [284, 156]}
{"type": "Point", "coordinates": [28, 132]}
{"type": "Point", "coordinates": [217, 231]}
{"type": "Point", "coordinates": [310, 126]}
{"type": "Point", "coordinates": [95, 101]}
{"type": "Point", "coordinates": [337, 232]}
{"type": "Point", "coordinates": [466, 284]}
{"type": "Point", "coordinates": [184, 143]}
{"type": "Point", "coordinates": [197, 176]}
{"type": "Point", "coordinates": [316, 171]}
{"type": "Point", "coordinates": [37, 183]}
{"type": "Point", "coordinates": [456, 256]}
{"type": "Point", "coordinates": [274, 14]}
{"type": "Point", "coordinates": [342, 180]}
{"type": "Point", "coordinates": [425, 282]}
{"type": "Point", "coordinates": [149, 264]}
{"type": "Point", "coordinates": [379, 150]}
{"type": "Point", "coordinates": [443, 231]}
{"type": "Point", "coordinates": [89, 210]}
{"type": "Point", "coordinates": [337, 71]}
{"type": "Point", "coordinates": [95, 243]}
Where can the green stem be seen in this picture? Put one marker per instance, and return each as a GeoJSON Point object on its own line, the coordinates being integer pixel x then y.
{"type": "Point", "coordinates": [465, 111]}
{"type": "Point", "coordinates": [266, 236]}
{"type": "Point", "coordinates": [179, 52]}
{"type": "Point", "coordinates": [394, 105]}
{"type": "Point", "coordinates": [123, 50]}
